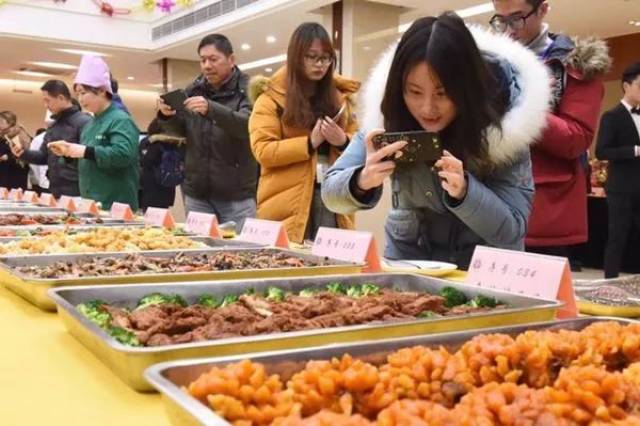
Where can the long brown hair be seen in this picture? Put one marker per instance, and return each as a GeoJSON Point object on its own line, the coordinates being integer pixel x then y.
{"type": "Point", "coordinates": [302, 110]}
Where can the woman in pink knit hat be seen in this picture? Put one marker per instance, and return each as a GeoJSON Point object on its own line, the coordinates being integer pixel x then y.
{"type": "Point", "coordinates": [108, 154]}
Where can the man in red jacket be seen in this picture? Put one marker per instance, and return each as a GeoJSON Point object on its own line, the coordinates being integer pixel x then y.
{"type": "Point", "coordinates": [559, 159]}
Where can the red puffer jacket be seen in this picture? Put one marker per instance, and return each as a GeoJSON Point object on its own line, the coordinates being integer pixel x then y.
{"type": "Point", "coordinates": [559, 215]}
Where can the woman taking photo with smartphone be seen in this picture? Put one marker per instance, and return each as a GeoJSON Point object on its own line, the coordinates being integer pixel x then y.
{"type": "Point", "coordinates": [301, 122]}
{"type": "Point", "coordinates": [486, 97]}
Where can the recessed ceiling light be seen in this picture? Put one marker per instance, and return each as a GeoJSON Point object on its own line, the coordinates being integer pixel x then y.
{"type": "Point", "coordinates": [268, 69]}
{"type": "Point", "coordinates": [271, 39]}
{"type": "Point", "coordinates": [54, 65]}
{"type": "Point", "coordinates": [366, 47]}
{"type": "Point", "coordinates": [131, 77]}
{"type": "Point", "coordinates": [632, 22]}
{"type": "Point", "coordinates": [33, 74]}
{"type": "Point", "coordinates": [637, 24]}
{"type": "Point", "coordinates": [82, 52]}
{"type": "Point", "coordinates": [245, 46]}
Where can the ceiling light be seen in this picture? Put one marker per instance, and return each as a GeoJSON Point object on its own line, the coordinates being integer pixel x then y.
{"type": "Point", "coordinates": [33, 74]}
{"type": "Point", "coordinates": [637, 24]}
{"type": "Point", "coordinates": [271, 39]}
{"type": "Point", "coordinates": [467, 12]}
{"type": "Point", "coordinates": [131, 77]}
{"type": "Point", "coordinates": [632, 22]}
{"type": "Point", "coordinates": [268, 69]}
{"type": "Point", "coordinates": [263, 62]}
{"type": "Point", "coordinates": [245, 46]}
{"type": "Point", "coordinates": [475, 10]}
{"type": "Point", "coordinates": [81, 52]}
{"type": "Point", "coordinates": [366, 47]}
{"type": "Point", "coordinates": [54, 65]}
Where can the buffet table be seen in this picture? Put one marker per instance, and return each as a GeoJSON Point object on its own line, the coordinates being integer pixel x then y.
{"type": "Point", "coordinates": [48, 378]}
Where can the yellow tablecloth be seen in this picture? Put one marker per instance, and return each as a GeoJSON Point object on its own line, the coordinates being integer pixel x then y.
{"type": "Point", "coordinates": [47, 378]}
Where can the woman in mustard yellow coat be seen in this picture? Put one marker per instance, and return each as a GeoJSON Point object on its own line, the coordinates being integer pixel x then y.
{"type": "Point", "coordinates": [302, 120]}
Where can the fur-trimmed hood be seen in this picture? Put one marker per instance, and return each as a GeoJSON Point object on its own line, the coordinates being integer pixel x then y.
{"type": "Point", "coordinates": [276, 86]}
{"type": "Point", "coordinates": [588, 56]}
{"type": "Point", "coordinates": [167, 138]}
{"type": "Point", "coordinates": [521, 125]}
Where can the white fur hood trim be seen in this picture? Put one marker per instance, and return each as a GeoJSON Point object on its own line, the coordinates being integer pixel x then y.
{"type": "Point", "coordinates": [522, 125]}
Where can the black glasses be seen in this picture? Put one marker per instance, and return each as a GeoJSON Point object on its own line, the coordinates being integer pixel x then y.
{"type": "Point", "coordinates": [323, 60]}
{"type": "Point", "coordinates": [516, 23]}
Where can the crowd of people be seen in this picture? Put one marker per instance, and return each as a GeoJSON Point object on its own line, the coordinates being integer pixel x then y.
{"type": "Point", "coordinates": [515, 106]}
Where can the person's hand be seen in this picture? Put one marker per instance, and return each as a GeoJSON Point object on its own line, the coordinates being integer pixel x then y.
{"type": "Point", "coordinates": [4, 157]}
{"type": "Point", "coordinates": [376, 168]}
{"type": "Point", "coordinates": [66, 149]}
{"type": "Point", "coordinates": [332, 132]}
{"type": "Point", "coordinates": [17, 150]}
{"type": "Point", "coordinates": [316, 137]}
{"type": "Point", "coordinates": [452, 174]}
{"type": "Point", "coordinates": [197, 104]}
{"type": "Point", "coordinates": [165, 109]}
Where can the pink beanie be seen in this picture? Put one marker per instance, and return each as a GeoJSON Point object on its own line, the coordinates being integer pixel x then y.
{"type": "Point", "coordinates": [94, 72]}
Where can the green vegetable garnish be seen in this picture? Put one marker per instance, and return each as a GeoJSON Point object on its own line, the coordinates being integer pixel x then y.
{"type": "Point", "coordinates": [94, 311]}
{"type": "Point", "coordinates": [453, 297]}
{"type": "Point", "coordinates": [337, 288]}
{"type": "Point", "coordinates": [124, 336]}
{"type": "Point", "coordinates": [369, 289]}
{"type": "Point", "coordinates": [160, 299]}
{"type": "Point", "coordinates": [208, 300]}
{"type": "Point", "coordinates": [428, 314]}
{"type": "Point", "coordinates": [275, 294]}
{"type": "Point", "coordinates": [481, 301]}
{"type": "Point", "coordinates": [229, 300]}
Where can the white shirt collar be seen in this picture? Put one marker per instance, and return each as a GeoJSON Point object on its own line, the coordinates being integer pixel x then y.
{"type": "Point", "coordinates": [627, 105]}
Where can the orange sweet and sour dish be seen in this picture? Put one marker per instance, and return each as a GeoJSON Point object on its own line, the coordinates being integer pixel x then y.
{"type": "Point", "coordinates": [539, 378]}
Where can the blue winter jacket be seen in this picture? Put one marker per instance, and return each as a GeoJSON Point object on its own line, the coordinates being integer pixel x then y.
{"type": "Point", "coordinates": [426, 223]}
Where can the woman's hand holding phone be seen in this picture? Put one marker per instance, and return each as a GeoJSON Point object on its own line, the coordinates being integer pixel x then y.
{"type": "Point", "coordinates": [452, 175]}
{"type": "Point", "coordinates": [332, 133]}
{"type": "Point", "coordinates": [377, 168]}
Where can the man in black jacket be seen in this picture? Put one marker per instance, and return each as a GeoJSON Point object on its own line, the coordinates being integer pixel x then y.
{"type": "Point", "coordinates": [619, 143]}
{"type": "Point", "coordinates": [220, 170]}
{"type": "Point", "coordinates": [68, 125]}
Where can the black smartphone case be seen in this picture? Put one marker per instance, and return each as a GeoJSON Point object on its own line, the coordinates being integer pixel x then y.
{"type": "Point", "coordinates": [175, 99]}
{"type": "Point", "coordinates": [422, 147]}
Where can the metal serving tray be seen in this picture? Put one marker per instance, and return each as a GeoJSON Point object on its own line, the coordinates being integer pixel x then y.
{"type": "Point", "coordinates": [54, 228]}
{"type": "Point", "coordinates": [34, 290]}
{"type": "Point", "coordinates": [129, 362]}
{"type": "Point", "coordinates": [184, 410]}
{"type": "Point", "coordinates": [7, 208]}
{"type": "Point", "coordinates": [591, 307]}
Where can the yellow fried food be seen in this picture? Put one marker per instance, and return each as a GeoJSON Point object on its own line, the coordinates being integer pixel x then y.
{"type": "Point", "coordinates": [106, 239]}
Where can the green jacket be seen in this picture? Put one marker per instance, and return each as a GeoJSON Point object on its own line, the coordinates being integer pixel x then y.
{"type": "Point", "coordinates": [113, 174]}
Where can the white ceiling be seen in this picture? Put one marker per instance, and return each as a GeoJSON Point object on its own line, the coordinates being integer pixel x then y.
{"type": "Point", "coordinates": [598, 17]}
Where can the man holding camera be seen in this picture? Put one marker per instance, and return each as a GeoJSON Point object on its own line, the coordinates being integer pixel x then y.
{"type": "Point", "coordinates": [220, 170]}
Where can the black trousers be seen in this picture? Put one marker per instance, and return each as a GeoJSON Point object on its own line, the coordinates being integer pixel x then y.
{"type": "Point", "coordinates": [624, 211]}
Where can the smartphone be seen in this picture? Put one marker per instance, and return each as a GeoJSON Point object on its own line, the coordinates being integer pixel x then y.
{"type": "Point", "coordinates": [175, 99]}
{"type": "Point", "coordinates": [422, 146]}
{"type": "Point", "coordinates": [343, 108]}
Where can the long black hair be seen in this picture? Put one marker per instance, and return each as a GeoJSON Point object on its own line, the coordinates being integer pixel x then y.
{"type": "Point", "coordinates": [301, 110]}
{"type": "Point", "coordinates": [447, 46]}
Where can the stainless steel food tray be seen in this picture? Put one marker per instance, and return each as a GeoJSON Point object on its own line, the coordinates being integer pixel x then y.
{"type": "Point", "coordinates": [34, 290]}
{"type": "Point", "coordinates": [588, 306]}
{"type": "Point", "coordinates": [129, 362]}
{"type": "Point", "coordinates": [184, 410]}
{"type": "Point", "coordinates": [28, 209]}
